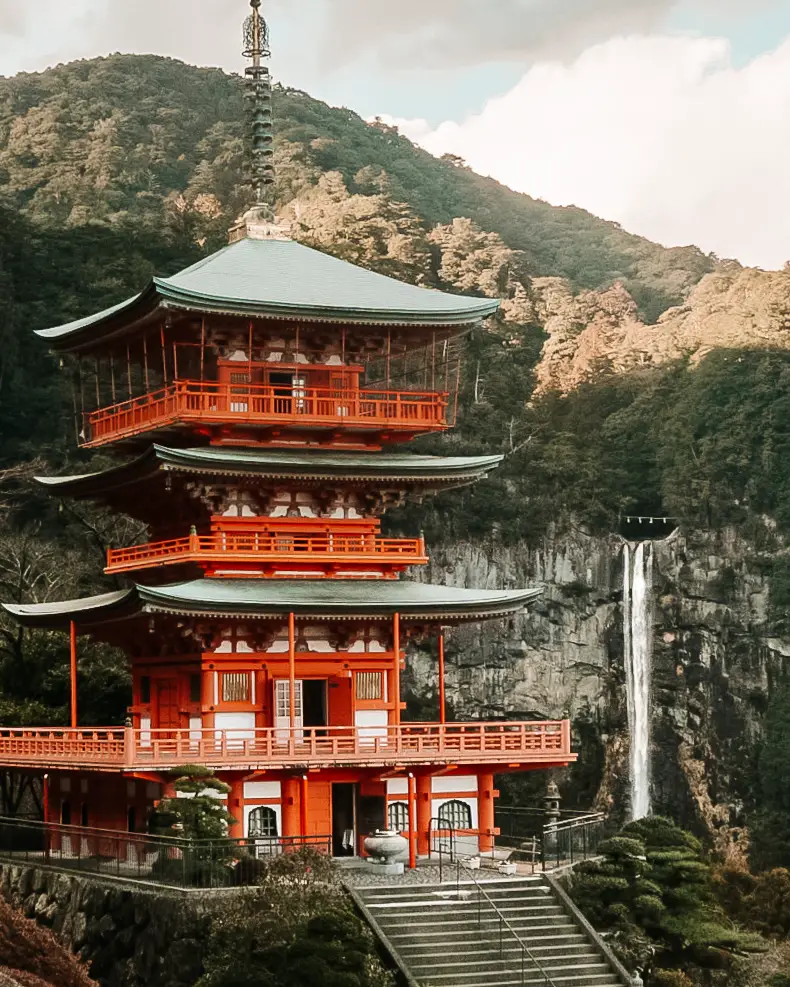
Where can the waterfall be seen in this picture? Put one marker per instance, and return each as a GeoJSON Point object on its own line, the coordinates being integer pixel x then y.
{"type": "Point", "coordinates": [637, 634]}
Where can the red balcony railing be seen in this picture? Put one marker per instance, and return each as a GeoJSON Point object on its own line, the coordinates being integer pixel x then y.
{"type": "Point", "coordinates": [253, 546]}
{"type": "Point", "coordinates": [410, 743]}
{"type": "Point", "coordinates": [258, 405]}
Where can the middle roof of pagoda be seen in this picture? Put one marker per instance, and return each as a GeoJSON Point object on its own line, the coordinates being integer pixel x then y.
{"type": "Point", "coordinates": [252, 599]}
{"type": "Point", "coordinates": [133, 480]}
{"type": "Point", "coordinates": [277, 279]}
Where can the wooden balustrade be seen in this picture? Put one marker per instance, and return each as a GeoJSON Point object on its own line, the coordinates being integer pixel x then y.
{"type": "Point", "coordinates": [256, 546]}
{"type": "Point", "coordinates": [410, 743]}
{"type": "Point", "coordinates": [250, 404]}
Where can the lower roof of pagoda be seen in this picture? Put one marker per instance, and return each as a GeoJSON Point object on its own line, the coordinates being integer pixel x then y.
{"type": "Point", "coordinates": [252, 599]}
{"type": "Point", "coordinates": [404, 469]}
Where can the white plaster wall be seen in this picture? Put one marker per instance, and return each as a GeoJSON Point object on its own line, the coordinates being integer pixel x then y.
{"type": "Point", "coordinates": [263, 790]}
{"type": "Point", "coordinates": [454, 783]}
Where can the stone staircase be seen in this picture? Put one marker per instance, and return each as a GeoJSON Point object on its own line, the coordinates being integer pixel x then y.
{"type": "Point", "coordinates": [449, 936]}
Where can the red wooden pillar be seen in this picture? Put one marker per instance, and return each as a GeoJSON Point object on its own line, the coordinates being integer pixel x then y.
{"type": "Point", "coordinates": [303, 805]}
{"type": "Point", "coordinates": [423, 814]}
{"type": "Point", "coordinates": [396, 669]}
{"type": "Point", "coordinates": [292, 675]}
{"type": "Point", "coordinates": [290, 806]}
{"type": "Point", "coordinates": [442, 704]}
{"type": "Point", "coordinates": [73, 671]}
{"type": "Point", "coordinates": [236, 807]}
{"type": "Point", "coordinates": [485, 811]}
{"type": "Point", "coordinates": [412, 824]}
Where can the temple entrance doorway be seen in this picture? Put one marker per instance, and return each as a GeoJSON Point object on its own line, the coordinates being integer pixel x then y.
{"type": "Point", "coordinates": [344, 798]}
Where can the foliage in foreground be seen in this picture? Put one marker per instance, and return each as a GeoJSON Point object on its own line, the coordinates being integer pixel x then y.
{"type": "Point", "coordinates": [652, 893]}
{"type": "Point", "coordinates": [296, 929]}
{"type": "Point", "coordinates": [33, 956]}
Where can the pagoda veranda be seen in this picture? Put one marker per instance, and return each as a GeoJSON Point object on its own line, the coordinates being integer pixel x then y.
{"type": "Point", "coordinates": [258, 402]}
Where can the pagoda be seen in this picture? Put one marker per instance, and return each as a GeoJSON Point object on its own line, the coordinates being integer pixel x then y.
{"type": "Point", "coordinates": [256, 398]}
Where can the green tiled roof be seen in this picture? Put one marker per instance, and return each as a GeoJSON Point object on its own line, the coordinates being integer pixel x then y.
{"type": "Point", "coordinates": [412, 470]}
{"type": "Point", "coordinates": [261, 598]}
{"type": "Point", "coordinates": [282, 278]}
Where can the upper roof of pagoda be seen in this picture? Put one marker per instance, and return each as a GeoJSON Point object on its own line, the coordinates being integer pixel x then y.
{"type": "Point", "coordinates": [250, 599]}
{"type": "Point", "coordinates": [277, 279]}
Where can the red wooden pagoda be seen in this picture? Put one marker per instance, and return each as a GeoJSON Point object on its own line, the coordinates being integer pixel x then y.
{"type": "Point", "coordinates": [266, 621]}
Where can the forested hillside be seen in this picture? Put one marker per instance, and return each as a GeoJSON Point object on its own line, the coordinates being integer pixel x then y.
{"type": "Point", "coordinates": [117, 168]}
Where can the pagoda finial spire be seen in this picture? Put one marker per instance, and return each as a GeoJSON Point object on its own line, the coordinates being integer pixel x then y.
{"type": "Point", "coordinates": [259, 222]}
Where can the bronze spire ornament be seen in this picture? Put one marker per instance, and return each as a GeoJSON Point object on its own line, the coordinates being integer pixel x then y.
{"type": "Point", "coordinates": [259, 222]}
{"type": "Point", "coordinates": [259, 93]}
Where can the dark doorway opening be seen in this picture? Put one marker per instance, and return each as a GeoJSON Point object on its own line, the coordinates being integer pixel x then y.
{"type": "Point", "coordinates": [131, 819]}
{"type": "Point", "coordinates": [371, 814]}
{"type": "Point", "coordinates": [314, 702]}
{"type": "Point", "coordinates": [343, 828]}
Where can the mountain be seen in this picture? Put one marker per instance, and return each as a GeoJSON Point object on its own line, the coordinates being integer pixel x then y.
{"type": "Point", "coordinates": [591, 333]}
{"type": "Point", "coordinates": [153, 142]}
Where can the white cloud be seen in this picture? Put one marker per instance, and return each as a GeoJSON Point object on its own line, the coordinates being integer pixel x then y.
{"type": "Point", "coordinates": [661, 134]}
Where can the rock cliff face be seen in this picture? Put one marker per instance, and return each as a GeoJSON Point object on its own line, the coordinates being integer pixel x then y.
{"type": "Point", "coordinates": [714, 659]}
{"type": "Point", "coordinates": [594, 330]}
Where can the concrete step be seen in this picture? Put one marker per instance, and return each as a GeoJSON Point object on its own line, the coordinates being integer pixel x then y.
{"type": "Point", "coordinates": [545, 954]}
{"type": "Point", "coordinates": [547, 938]}
{"type": "Point", "coordinates": [436, 913]}
{"type": "Point", "coordinates": [514, 980]}
{"type": "Point", "coordinates": [591, 976]}
{"type": "Point", "coordinates": [451, 940]}
{"type": "Point", "coordinates": [482, 961]}
{"type": "Point", "coordinates": [409, 890]}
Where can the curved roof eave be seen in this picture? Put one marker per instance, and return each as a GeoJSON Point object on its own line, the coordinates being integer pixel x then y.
{"type": "Point", "coordinates": [198, 302]}
{"type": "Point", "coordinates": [261, 599]}
{"type": "Point", "coordinates": [401, 467]}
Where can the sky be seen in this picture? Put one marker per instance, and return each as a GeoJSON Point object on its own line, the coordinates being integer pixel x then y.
{"type": "Point", "coordinates": [669, 117]}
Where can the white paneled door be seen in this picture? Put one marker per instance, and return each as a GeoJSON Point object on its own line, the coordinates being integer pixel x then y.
{"type": "Point", "coordinates": [282, 709]}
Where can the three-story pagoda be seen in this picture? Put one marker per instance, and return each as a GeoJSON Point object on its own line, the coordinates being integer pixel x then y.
{"type": "Point", "coordinates": [256, 398]}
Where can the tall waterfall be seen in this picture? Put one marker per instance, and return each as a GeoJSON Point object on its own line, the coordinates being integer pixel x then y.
{"type": "Point", "coordinates": [637, 631]}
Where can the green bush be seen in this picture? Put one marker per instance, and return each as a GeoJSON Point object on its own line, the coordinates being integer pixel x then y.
{"type": "Point", "coordinates": [653, 893]}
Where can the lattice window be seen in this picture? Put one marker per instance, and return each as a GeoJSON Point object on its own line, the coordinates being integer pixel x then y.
{"type": "Point", "coordinates": [263, 822]}
{"type": "Point", "coordinates": [398, 816]}
{"type": "Point", "coordinates": [369, 685]}
{"type": "Point", "coordinates": [236, 687]}
{"type": "Point", "coordinates": [455, 814]}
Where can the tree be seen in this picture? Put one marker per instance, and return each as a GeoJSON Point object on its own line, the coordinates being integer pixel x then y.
{"type": "Point", "coordinates": [297, 929]}
{"type": "Point", "coordinates": [653, 893]}
{"type": "Point", "coordinates": [198, 811]}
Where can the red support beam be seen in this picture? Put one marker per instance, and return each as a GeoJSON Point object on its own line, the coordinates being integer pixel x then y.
{"type": "Point", "coordinates": [236, 807]}
{"type": "Point", "coordinates": [412, 823]}
{"type": "Point", "coordinates": [303, 805]}
{"type": "Point", "coordinates": [73, 672]}
{"type": "Point", "coordinates": [292, 674]}
{"type": "Point", "coordinates": [485, 811]}
{"type": "Point", "coordinates": [396, 669]}
{"type": "Point", "coordinates": [423, 814]}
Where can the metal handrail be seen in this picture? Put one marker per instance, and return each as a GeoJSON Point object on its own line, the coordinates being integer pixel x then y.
{"type": "Point", "coordinates": [440, 827]}
{"type": "Point", "coordinates": [505, 924]}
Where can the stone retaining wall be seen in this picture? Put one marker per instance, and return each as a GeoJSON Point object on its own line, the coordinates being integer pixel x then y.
{"type": "Point", "coordinates": [131, 937]}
